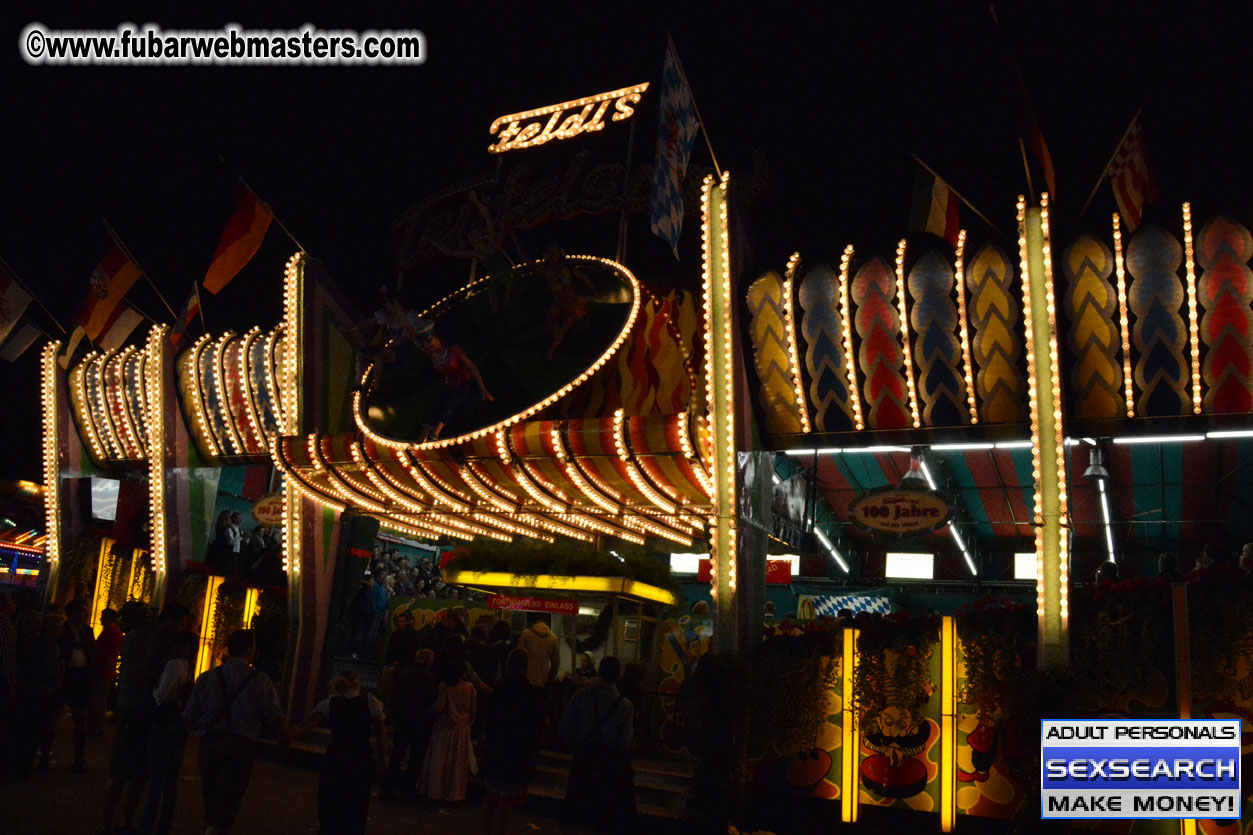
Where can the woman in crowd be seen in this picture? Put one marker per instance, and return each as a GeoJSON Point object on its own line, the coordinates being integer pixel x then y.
{"type": "Point", "coordinates": [348, 768]}
{"type": "Point", "coordinates": [167, 735]}
{"type": "Point", "coordinates": [450, 754]}
{"type": "Point", "coordinates": [515, 716]}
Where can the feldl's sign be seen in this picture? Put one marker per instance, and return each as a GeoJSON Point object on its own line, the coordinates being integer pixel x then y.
{"type": "Point", "coordinates": [899, 512]}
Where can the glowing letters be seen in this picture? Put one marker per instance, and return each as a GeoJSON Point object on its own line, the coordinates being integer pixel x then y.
{"type": "Point", "coordinates": [565, 120]}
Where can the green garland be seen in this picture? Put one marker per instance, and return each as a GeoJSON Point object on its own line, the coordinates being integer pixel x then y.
{"type": "Point", "coordinates": [788, 684]}
{"type": "Point", "coordinates": [565, 558]}
{"type": "Point", "coordinates": [1118, 636]}
{"type": "Point", "coordinates": [191, 591]}
{"type": "Point", "coordinates": [995, 640]}
{"type": "Point", "coordinates": [228, 614]}
{"type": "Point", "coordinates": [911, 642]}
{"type": "Point", "coordinates": [1220, 632]}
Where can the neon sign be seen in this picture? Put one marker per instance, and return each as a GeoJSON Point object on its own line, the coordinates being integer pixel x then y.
{"type": "Point", "coordinates": [584, 115]}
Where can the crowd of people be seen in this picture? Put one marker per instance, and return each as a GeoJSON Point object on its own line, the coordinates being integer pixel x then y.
{"type": "Point", "coordinates": [477, 701]}
{"type": "Point", "coordinates": [460, 702]}
{"type": "Point", "coordinates": [390, 575]}
{"type": "Point", "coordinates": [255, 556]}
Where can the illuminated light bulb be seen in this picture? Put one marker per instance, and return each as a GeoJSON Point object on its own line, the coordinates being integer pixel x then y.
{"type": "Point", "coordinates": [794, 363]}
{"type": "Point", "coordinates": [907, 350]}
{"type": "Point", "coordinates": [846, 328]}
{"type": "Point", "coordinates": [1121, 276]}
{"type": "Point", "coordinates": [1193, 319]}
{"type": "Point", "coordinates": [967, 365]}
{"type": "Point", "coordinates": [51, 452]}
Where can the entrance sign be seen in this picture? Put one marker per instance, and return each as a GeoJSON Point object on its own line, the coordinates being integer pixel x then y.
{"type": "Point", "coordinates": [549, 605]}
{"type": "Point", "coordinates": [899, 512]}
{"type": "Point", "coordinates": [565, 120]}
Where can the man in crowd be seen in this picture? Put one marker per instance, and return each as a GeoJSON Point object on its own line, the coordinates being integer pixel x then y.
{"type": "Point", "coordinates": [543, 656]}
{"type": "Point", "coordinates": [78, 653]}
{"type": "Point", "coordinates": [228, 709]}
{"type": "Point", "coordinates": [108, 647]}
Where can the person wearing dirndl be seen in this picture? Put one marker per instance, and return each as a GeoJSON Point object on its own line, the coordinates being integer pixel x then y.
{"type": "Point", "coordinates": [450, 753]}
{"type": "Point", "coordinates": [348, 767]}
{"type": "Point", "coordinates": [515, 717]}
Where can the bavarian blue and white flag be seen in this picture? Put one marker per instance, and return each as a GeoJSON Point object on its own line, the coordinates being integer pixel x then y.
{"type": "Point", "coordinates": [676, 130]}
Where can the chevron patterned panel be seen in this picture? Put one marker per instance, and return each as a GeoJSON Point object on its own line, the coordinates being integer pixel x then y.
{"type": "Point", "coordinates": [668, 356]}
{"type": "Point", "coordinates": [1225, 290]}
{"type": "Point", "coordinates": [1091, 306]}
{"type": "Point", "coordinates": [936, 349]}
{"type": "Point", "coordinates": [770, 354]}
{"type": "Point", "coordinates": [824, 354]}
{"type": "Point", "coordinates": [1160, 337]}
{"type": "Point", "coordinates": [880, 356]}
{"type": "Point", "coordinates": [997, 344]}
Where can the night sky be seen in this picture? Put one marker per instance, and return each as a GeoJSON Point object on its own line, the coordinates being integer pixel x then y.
{"type": "Point", "coordinates": [834, 96]}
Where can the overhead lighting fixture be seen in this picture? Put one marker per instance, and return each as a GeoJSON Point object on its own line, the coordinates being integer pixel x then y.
{"type": "Point", "coordinates": [961, 543]}
{"type": "Point", "coordinates": [1231, 433]}
{"type": "Point", "coordinates": [822, 537]}
{"type": "Point", "coordinates": [776, 478]}
{"type": "Point", "coordinates": [1096, 467]}
{"type": "Point", "coordinates": [884, 448]}
{"type": "Point", "coordinates": [958, 447]}
{"type": "Point", "coordinates": [1013, 445]}
{"type": "Point", "coordinates": [917, 477]}
{"type": "Point", "coordinates": [799, 451]}
{"type": "Point", "coordinates": [1105, 514]}
{"type": "Point", "coordinates": [1159, 439]}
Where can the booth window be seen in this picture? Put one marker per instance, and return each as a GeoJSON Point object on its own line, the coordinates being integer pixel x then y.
{"type": "Point", "coordinates": [910, 567]}
{"type": "Point", "coordinates": [1024, 566]}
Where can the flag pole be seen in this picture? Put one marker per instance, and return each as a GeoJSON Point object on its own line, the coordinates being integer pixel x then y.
{"type": "Point", "coordinates": [626, 182]}
{"type": "Point", "coordinates": [1022, 148]}
{"type": "Point", "coordinates": [1100, 178]}
{"type": "Point", "coordinates": [958, 194]}
{"type": "Point", "coordinates": [8, 269]}
{"type": "Point", "coordinates": [195, 286]}
{"type": "Point", "coordinates": [142, 271]}
{"type": "Point", "coordinates": [695, 107]}
{"type": "Point", "coordinates": [274, 215]}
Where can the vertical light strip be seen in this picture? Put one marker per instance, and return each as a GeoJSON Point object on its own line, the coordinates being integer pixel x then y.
{"type": "Point", "coordinates": [287, 399]}
{"type": "Point", "coordinates": [154, 397]}
{"type": "Point", "coordinates": [908, 351]}
{"type": "Point", "coordinates": [51, 459]}
{"type": "Point", "coordinates": [251, 409]}
{"type": "Point", "coordinates": [1194, 339]}
{"type": "Point", "coordinates": [193, 381]}
{"type": "Point", "coordinates": [1048, 443]}
{"type": "Point", "coordinates": [82, 407]}
{"type": "Point", "coordinates": [1120, 274]}
{"type": "Point", "coordinates": [1034, 411]}
{"type": "Point", "coordinates": [846, 329]}
{"type": "Point", "coordinates": [251, 599]}
{"type": "Point", "coordinates": [959, 269]}
{"type": "Point", "coordinates": [793, 356]}
{"type": "Point", "coordinates": [97, 392]}
{"type": "Point", "coordinates": [948, 727]}
{"type": "Point", "coordinates": [719, 392]}
{"type": "Point", "coordinates": [1058, 482]}
{"type": "Point", "coordinates": [100, 595]}
{"type": "Point", "coordinates": [219, 386]}
{"type": "Point", "coordinates": [204, 658]}
{"type": "Point", "coordinates": [850, 738]}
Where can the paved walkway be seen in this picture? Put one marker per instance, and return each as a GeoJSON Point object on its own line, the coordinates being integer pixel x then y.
{"type": "Point", "coordinates": [281, 799]}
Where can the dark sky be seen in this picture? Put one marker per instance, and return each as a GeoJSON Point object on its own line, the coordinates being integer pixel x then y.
{"type": "Point", "coordinates": [835, 95]}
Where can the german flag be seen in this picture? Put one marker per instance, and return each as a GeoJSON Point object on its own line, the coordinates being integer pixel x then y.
{"type": "Point", "coordinates": [110, 281]}
{"type": "Point", "coordinates": [240, 241]}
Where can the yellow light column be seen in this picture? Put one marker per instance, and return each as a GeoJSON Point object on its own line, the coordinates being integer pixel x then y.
{"type": "Point", "coordinates": [720, 397]}
{"type": "Point", "coordinates": [948, 724]}
{"type": "Point", "coordinates": [49, 394]}
{"type": "Point", "coordinates": [1048, 464]}
{"type": "Point", "coordinates": [850, 736]}
{"type": "Point", "coordinates": [155, 401]}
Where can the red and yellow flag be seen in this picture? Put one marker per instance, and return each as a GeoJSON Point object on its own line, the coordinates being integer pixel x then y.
{"type": "Point", "coordinates": [110, 281]}
{"type": "Point", "coordinates": [240, 241]}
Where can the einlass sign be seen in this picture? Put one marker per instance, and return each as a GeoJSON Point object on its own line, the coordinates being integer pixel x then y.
{"type": "Point", "coordinates": [899, 512]}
